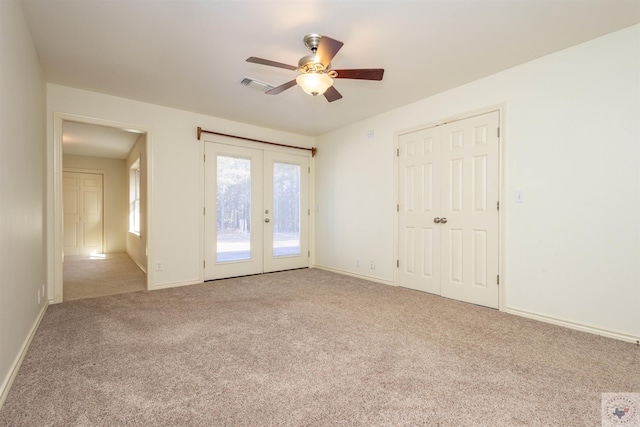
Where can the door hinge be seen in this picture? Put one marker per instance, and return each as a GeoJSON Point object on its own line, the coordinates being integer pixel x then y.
{"type": "Point", "coordinates": [204, 264]}
{"type": "Point", "coordinates": [498, 132]}
{"type": "Point", "coordinates": [498, 279]}
{"type": "Point", "coordinates": [308, 254]}
{"type": "Point", "coordinates": [204, 211]}
{"type": "Point", "coordinates": [309, 169]}
{"type": "Point", "coordinates": [498, 205]}
{"type": "Point", "coordinates": [398, 207]}
{"type": "Point", "coordinates": [308, 211]}
{"type": "Point", "coordinates": [397, 152]}
{"type": "Point", "coordinates": [204, 157]}
{"type": "Point", "coordinates": [398, 263]}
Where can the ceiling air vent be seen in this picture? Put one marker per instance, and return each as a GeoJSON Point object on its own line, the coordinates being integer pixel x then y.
{"type": "Point", "coordinates": [255, 84]}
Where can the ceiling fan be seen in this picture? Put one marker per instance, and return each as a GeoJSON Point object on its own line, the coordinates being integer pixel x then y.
{"type": "Point", "coordinates": [316, 76]}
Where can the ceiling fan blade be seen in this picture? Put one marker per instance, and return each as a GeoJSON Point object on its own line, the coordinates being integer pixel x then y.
{"type": "Point", "coordinates": [255, 60]}
{"type": "Point", "coordinates": [361, 74]}
{"type": "Point", "coordinates": [332, 94]}
{"type": "Point", "coordinates": [281, 88]}
{"type": "Point", "coordinates": [327, 49]}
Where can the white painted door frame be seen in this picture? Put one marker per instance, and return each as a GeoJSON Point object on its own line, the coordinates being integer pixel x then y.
{"type": "Point", "coordinates": [55, 250]}
{"type": "Point", "coordinates": [500, 108]}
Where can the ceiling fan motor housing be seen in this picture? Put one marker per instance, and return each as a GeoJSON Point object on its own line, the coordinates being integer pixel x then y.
{"type": "Point", "coordinates": [309, 63]}
{"type": "Point", "coordinates": [312, 41]}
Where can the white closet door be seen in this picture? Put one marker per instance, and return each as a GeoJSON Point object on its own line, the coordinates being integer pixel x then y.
{"type": "Point", "coordinates": [418, 205]}
{"type": "Point", "coordinates": [470, 236]}
{"type": "Point", "coordinates": [448, 237]}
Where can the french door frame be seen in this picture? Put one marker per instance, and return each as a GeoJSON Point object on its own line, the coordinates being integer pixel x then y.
{"type": "Point", "coordinates": [502, 211]}
{"type": "Point", "coordinates": [268, 151]}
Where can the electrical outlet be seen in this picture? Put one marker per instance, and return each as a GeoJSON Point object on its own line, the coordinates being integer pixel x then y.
{"type": "Point", "coordinates": [370, 134]}
{"type": "Point", "coordinates": [372, 265]}
{"type": "Point", "coordinates": [358, 263]}
{"type": "Point", "coordinates": [159, 266]}
{"type": "Point", "coordinates": [519, 196]}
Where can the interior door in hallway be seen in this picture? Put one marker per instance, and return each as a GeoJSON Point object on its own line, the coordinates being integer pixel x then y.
{"type": "Point", "coordinates": [448, 218]}
{"type": "Point", "coordinates": [82, 206]}
{"type": "Point", "coordinates": [256, 211]}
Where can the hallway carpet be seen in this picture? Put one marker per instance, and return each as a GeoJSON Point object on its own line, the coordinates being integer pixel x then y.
{"type": "Point", "coordinates": [100, 275]}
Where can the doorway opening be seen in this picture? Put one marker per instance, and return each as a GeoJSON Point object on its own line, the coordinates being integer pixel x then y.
{"type": "Point", "coordinates": [100, 239]}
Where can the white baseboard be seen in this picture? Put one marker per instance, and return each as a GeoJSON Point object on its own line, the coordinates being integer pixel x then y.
{"type": "Point", "coordinates": [140, 266]}
{"type": "Point", "coordinates": [359, 276]}
{"type": "Point", "coordinates": [175, 285]}
{"type": "Point", "coordinates": [574, 325]}
{"type": "Point", "coordinates": [136, 262]}
{"type": "Point", "coordinates": [520, 312]}
{"type": "Point", "coordinates": [6, 385]}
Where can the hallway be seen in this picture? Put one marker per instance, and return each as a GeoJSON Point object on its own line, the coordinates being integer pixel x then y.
{"type": "Point", "coordinates": [100, 275]}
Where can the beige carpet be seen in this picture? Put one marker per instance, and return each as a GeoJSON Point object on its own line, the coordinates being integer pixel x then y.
{"type": "Point", "coordinates": [309, 348]}
{"type": "Point", "coordinates": [100, 275]}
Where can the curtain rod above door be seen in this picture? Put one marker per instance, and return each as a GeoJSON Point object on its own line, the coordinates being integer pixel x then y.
{"type": "Point", "coordinates": [312, 149]}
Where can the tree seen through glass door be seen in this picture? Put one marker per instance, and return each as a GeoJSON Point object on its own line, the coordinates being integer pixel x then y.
{"type": "Point", "coordinates": [234, 209]}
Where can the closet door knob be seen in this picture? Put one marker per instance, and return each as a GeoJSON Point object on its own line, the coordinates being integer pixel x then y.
{"type": "Point", "coordinates": [266, 220]}
{"type": "Point", "coordinates": [436, 220]}
{"type": "Point", "coordinates": [443, 220]}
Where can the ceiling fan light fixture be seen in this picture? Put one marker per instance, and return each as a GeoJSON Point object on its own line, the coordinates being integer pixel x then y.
{"type": "Point", "coordinates": [314, 83]}
{"type": "Point", "coordinates": [315, 74]}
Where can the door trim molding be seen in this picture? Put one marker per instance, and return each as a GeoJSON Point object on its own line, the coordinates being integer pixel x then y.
{"type": "Point", "coordinates": [502, 213]}
{"type": "Point", "coordinates": [55, 250]}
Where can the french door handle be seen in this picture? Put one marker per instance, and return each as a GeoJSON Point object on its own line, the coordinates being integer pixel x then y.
{"type": "Point", "coordinates": [436, 220]}
{"type": "Point", "coordinates": [443, 220]}
{"type": "Point", "coordinates": [266, 220]}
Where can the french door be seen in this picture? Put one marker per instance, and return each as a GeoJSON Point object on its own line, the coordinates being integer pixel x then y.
{"type": "Point", "coordinates": [256, 211]}
{"type": "Point", "coordinates": [448, 241]}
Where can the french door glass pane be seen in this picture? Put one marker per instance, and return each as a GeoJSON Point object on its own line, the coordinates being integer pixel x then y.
{"type": "Point", "coordinates": [234, 209]}
{"type": "Point", "coordinates": [286, 209]}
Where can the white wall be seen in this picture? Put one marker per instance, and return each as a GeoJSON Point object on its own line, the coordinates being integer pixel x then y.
{"type": "Point", "coordinates": [115, 197]}
{"type": "Point", "coordinates": [22, 166]}
{"type": "Point", "coordinates": [572, 144]}
{"type": "Point", "coordinates": [176, 192]}
{"type": "Point", "coordinates": [137, 245]}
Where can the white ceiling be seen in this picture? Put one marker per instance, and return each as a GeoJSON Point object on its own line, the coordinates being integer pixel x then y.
{"type": "Point", "coordinates": [84, 139]}
{"type": "Point", "coordinates": [190, 54]}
